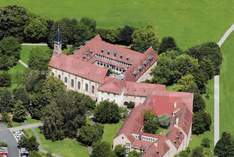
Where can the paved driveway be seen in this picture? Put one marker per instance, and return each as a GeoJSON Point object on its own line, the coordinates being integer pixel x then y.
{"type": "Point", "coordinates": [7, 137]}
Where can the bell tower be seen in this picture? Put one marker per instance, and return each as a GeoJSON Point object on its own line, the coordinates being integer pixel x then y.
{"type": "Point", "coordinates": [57, 44]}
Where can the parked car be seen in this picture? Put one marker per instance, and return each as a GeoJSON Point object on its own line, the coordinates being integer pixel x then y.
{"type": "Point", "coordinates": [24, 152]}
{"type": "Point", "coordinates": [3, 152]}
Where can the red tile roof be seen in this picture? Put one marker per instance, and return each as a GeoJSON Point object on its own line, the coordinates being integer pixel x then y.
{"type": "Point", "coordinates": [177, 105]}
{"type": "Point", "coordinates": [133, 60]}
{"type": "Point", "coordinates": [112, 85]}
{"type": "Point", "coordinates": [78, 67]}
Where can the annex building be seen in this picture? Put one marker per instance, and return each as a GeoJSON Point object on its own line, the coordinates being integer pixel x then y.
{"type": "Point", "coordinates": [111, 72]}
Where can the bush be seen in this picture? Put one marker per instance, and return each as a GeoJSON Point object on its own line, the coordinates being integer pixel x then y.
{"type": "Point", "coordinates": [5, 79]}
{"type": "Point", "coordinates": [107, 112]}
{"type": "Point", "coordinates": [90, 134]}
{"type": "Point", "coordinates": [129, 105]}
{"type": "Point", "coordinates": [151, 123]}
{"type": "Point", "coordinates": [205, 143]}
{"type": "Point", "coordinates": [201, 122]}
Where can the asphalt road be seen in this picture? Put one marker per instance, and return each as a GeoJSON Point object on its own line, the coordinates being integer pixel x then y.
{"type": "Point", "coordinates": [7, 137]}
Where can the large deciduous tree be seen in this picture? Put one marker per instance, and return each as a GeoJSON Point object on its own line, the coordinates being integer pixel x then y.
{"type": "Point", "coordinates": [19, 112]}
{"type": "Point", "coordinates": [9, 52]}
{"type": "Point", "coordinates": [90, 134]}
{"type": "Point", "coordinates": [102, 149]}
{"type": "Point", "coordinates": [167, 44]}
{"type": "Point", "coordinates": [5, 79]}
{"type": "Point", "coordinates": [36, 30]}
{"type": "Point", "coordinates": [143, 38]}
{"type": "Point", "coordinates": [39, 58]}
{"type": "Point", "coordinates": [151, 123]}
{"type": "Point", "coordinates": [225, 146]}
{"type": "Point", "coordinates": [210, 54]}
{"type": "Point", "coordinates": [13, 20]}
{"type": "Point", "coordinates": [201, 122]}
{"type": "Point", "coordinates": [107, 112]}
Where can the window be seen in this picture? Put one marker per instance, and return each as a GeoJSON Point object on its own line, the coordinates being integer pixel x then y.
{"type": "Point", "coordinates": [115, 54]}
{"type": "Point", "coordinates": [72, 83]}
{"type": "Point", "coordinates": [92, 89]}
{"type": "Point", "coordinates": [65, 79]}
{"type": "Point", "coordinates": [108, 53]}
{"type": "Point", "coordinates": [59, 76]}
{"type": "Point", "coordinates": [121, 57]}
{"type": "Point", "coordinates": [86, 87]}
{"type": "Point", "coordinates": [78, 84]}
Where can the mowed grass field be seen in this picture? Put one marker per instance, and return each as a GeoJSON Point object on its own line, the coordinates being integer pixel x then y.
{"type": "Point", "coordinates": [190, 22]}
{"type": "Point", "coordinates": [227, 87]}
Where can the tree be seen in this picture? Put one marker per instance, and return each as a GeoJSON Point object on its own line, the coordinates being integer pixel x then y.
{"type": "Point", "coordinates": [201, 122]}
{"type": "Point", "coordinates": [30, 144]}
{"type": "Point", "coordinates": [198, 103]}
{"type": "Point", "coordinates": [6, 101]}
{"type": "Point", "coordinates": [64, 116]}
{"type": "Point", "coordinates": [109, 35]}
{"type": "Point", "coordinates": [90, 134]}
{"type": "Point", "coordinates": [130, 104]}
{"type": "Point", "coordinates": [209, 53]}
{"type": "Point", "coordinates": [19, 112]}
{"type": "Point", "coordinates": [120, 151]}
{"type": "Point", "coordinates": [13, 20]}
{"type": "Point", "coordinates": [9, 52]}
{"type": "Point", "coordinates": [5, 79]}
{"type": "Point", "coordinates": [225, 146]}
{"type": "Point", "coordinates": [167, 44]}
{"type": "Point", "coordinates": [197, 152]}
{"type": "Point", "coordinates": [39, 58]}
{"type": "Point", "coordinates": [125, 35]}
{"type": "Point", "coordinates": [187, 84]}
{"type": "Point", "coordinates": [134, 154]}
{"type": "Point", "coordinates": [107, 112]}
{"type": "Point", "coordinates": [22, 95]}
{"type": "Point", "coordinates": [36, 30]}
{"type": "Point", "coordinates": [53, 123]}
{"type": "Point", "coordinates": [151, 123]}
{"type": "Point", "coordinates": [144, 38]}
{"type": "Point", "coordinates": [102, 149]}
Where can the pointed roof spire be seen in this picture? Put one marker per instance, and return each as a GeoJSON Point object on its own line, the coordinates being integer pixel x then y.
{"type": "Point", "coordinates": [58, 36]}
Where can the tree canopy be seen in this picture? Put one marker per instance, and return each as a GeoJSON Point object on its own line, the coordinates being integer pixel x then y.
{"type": "Point", "coordinates": [143, 38]}
{"type": "Point", "coordinates": [151, 123]}
{"type": "Point", "coordinates": [9, 52]}
{"type": "Point", "coordinates": [225, 146]}
{"type": "Point", "coordinates": [107, 112]}
{"type": "Point", "coordinates": [201, 122]}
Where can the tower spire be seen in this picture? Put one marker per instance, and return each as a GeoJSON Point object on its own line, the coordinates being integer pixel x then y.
{"type": "Point", "coordinates": [58, 43]}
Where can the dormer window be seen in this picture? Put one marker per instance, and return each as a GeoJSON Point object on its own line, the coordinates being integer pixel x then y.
{"type": "Point", "coordinates": [115, 54]}
{"type": "Point", "coordinates": [127, 59]}
{"type": "Point", "coordinates": [121, 57]}
{"type": "Point", "coordinates": [102, 51]}
{"type": "Point", "coordinates": [108, 53]}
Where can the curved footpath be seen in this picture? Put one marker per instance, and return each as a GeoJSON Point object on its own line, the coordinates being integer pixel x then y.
{"type": "Point", "coordinates": [216, 88]}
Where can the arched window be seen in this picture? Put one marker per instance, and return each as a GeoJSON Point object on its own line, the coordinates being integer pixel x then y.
{"type": "Point", "coordinates": [65, 79]}
{"type": "Point", "coordinates": [87, 87]}
{"type": "Point", "coordinates": [72, 83]}
{"type": "Point", "coordinates": [78, 85]}
{"type": "Point", "coordinates": [92, 89]}
{"type": "Point", "coordinates": [59, 76]}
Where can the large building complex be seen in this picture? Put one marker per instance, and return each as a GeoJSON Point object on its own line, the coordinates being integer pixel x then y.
{"type": "Point", "coordinates": [113, 72]}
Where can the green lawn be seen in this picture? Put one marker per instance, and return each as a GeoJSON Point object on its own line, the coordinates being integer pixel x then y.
{"type": "Point", "coordinates": [227, 87]}
{"type": "Point", "coordinates": [190, 22]}
{"type": "Point", "coordinates": [72, 148]}
{"type": "Point", "coordinates": [25, 52]}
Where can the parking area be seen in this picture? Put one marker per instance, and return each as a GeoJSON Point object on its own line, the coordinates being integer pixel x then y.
{"type": "Point", "coordinates": [7, 137]}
